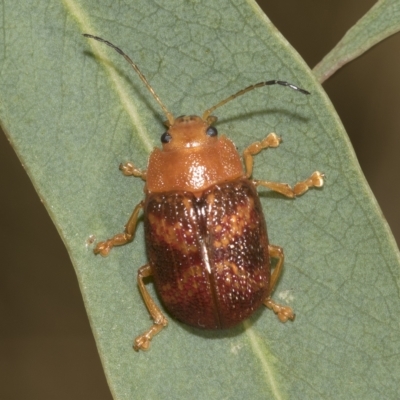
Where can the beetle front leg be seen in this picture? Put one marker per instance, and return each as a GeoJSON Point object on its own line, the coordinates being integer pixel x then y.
{"type": "Point", "coordinates": [315, 180]}
{"type": "Point", "coordinates": [120, 239]}
{"type": "Point", "coordinates": [129, 169]}
{"type": "Point", "coordinates": [283, 312]}
{"type": "Point", "coordinates": [272, 140]}
{"type": "Point", "coordinates": [142, 342]}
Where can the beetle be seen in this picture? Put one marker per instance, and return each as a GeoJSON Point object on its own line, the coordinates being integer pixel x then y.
{"type": "Point", "coordinates": [206, 237]}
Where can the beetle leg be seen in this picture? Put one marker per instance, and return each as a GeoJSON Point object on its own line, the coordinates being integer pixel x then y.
{"type": "Point", "coordinates": [129, 169]}
{"type": "Point", "coordinates": [120, 239]}
{"type": "Point", "coordinates": [142, 342]}
{"type": "Point", "coordinates": [283, 312]}
{"type": "Point", "coordinates": [315, 180]}
{"type": "Point", "coordinates": [272, 140]}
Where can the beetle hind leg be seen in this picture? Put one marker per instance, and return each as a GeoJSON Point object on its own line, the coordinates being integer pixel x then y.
{"type": "Point", "coordinates": [284, 313]}
{"type": "Point", "coordinates": [142, 342]}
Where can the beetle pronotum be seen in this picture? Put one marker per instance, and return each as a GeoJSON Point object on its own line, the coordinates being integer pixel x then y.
{"type": "Point", "coordinates": [206, 237]}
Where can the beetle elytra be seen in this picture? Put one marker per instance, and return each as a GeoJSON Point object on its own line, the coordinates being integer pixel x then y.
{"type": "Point", "coordinates": [206, 237]}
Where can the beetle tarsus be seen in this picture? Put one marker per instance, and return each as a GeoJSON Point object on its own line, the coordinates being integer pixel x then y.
{"type": "Point", "coordinates": [103, 248]}
{"type": "Point", "coordinates": [315, 180]}
{"type": "Point", "coordinates": [284, 313]}
{"type": "Point", "coordinates": [129, 169]}
{"type": "Point", "coordinates": [142, 342]}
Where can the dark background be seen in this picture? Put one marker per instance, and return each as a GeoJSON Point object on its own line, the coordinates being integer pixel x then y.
{"type": "Point", "coordinates": [47, 350]}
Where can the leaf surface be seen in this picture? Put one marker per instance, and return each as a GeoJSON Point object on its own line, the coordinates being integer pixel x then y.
{"type": "Point", "coordinates": [380, 22]}
{"type": "Point", "coordinates": [74, 110]}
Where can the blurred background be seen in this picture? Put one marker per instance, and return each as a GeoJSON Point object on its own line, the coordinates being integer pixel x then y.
{"type": "Point", "coordinates": [44, 328]}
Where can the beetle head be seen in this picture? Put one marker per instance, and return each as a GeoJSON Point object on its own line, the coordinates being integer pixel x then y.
{"type": "Point", "coordinates": [189, 131]}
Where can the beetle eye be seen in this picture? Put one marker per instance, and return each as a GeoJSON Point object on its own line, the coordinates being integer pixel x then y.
{"type": "Point", "coordinates": [211, 131]}
{"type": "Point", "coordinates": [166, 137]}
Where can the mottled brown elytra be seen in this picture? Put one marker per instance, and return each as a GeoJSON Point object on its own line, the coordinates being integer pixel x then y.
{"type": "Point", "coordinates": [206, 237]}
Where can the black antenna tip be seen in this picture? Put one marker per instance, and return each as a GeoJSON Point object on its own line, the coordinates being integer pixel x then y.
{"type": "Point", "coordinates": [106, 42]}
{"type": "Point", "coordinates": [290, 85]}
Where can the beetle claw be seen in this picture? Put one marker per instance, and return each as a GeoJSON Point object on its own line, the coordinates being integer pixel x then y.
{"type": "Point", "coordinates": [284, 313]}
{"type": "Point", "coordinates": [142, 342]}
{"type": "Point", "coordinates": [103, 248]}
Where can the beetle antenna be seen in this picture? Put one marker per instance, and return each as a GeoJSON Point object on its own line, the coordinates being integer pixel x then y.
{"type": "Point", "coordinates": [208, 112]}
{"type": "Point", "coordinates": [169, 115]}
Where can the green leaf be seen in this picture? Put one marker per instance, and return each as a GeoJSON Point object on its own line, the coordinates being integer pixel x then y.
{"type": "Point", "coordinates": [380, 22]}
{"type": "Point", "coordinates": [74, 110]}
